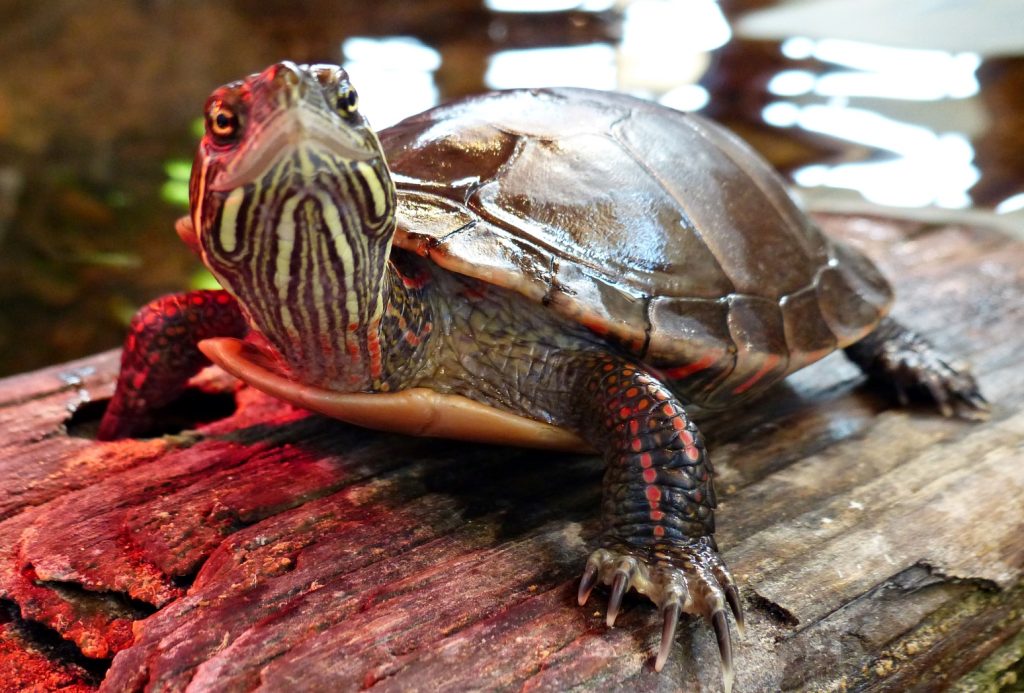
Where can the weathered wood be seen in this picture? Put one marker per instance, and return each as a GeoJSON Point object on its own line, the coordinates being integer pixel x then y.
{"type": "Point", "coordinates": [878, 548]}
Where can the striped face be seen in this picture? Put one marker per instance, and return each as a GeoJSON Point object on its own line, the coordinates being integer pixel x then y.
{"type": "Point", "coordinates": [294, 206]}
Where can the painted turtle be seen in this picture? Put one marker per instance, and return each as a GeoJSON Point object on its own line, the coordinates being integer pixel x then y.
{"type": "Point", "coordinates": [560, 268]}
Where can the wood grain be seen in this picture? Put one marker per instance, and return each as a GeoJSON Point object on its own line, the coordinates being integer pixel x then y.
{"type": "Point", "coordinates": [878, 548]}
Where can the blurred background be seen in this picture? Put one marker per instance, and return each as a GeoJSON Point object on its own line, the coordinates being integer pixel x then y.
{"type": "Point", "coordinates": [912, 106]}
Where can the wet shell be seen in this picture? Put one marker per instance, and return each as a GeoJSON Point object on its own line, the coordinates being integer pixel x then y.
{"type": "Point", "coordinates": [656, 229]}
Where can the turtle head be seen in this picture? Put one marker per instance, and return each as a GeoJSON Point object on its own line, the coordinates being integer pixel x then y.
{"type": "Point", "coordinates": [293, 208]}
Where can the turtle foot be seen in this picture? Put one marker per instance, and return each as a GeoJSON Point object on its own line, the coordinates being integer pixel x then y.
{"type": "Point", "coordinates": [916, 368]}
{"type": "Point", "coordinates": [679, 578]}
{"type": "Point", "coordinates": [906, 361]}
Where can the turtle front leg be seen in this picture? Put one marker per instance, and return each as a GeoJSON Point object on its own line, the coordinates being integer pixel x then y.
{"type": "Point", "coordinates": [658, 507]}
{"type": "Point", "coordinates": [898, 356]}
{"type": "Point", "coordinates": [160, 355]}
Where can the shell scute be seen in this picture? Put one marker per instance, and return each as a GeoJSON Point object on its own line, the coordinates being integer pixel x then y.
{"type": "Point", "coordinates": [656, 229]}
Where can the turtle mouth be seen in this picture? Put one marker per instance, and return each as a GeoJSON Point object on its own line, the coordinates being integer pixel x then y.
{"type": "Point", "coordinates": [299, 128]}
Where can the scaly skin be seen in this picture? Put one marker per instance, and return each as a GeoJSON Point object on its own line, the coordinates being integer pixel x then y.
{"type": "Point", "coordinates": [160, 355]}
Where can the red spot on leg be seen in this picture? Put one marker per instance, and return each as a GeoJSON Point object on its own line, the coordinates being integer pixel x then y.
{"type": "Point", "coordinates": [659, 531]}
{"type": "Point", "coordinates": [653, 494]}
{"type": "Point", "coordinates": [625, 412]}
{"type": "Point", "coordinates": [650, 475]}
{"type": "Point", "coordinates": [657, 515]}
{"type": "Point", "coordinates": [636, 444]}
{"type": "Point", "coordinates": [645, 460]}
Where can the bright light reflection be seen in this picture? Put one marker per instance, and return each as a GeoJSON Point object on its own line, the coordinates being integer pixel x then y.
{"type": "Point", "coordinates": [925, 167]}
{"type": "Point", "coordinates": [393, 75]}
{"type": "Point", "coordinates": [665, 43]}
{"type": "Point", "coordinates": [668, 26]}
{"type": "Point", "coordinates": [548, 5]}
{"type": "Point", "coordinates": [929, 168]}
{"type": "Point", "coordinates": [1011, 204]}
{"type": "Point", "coordinates": [883, 71]}
{"type": "Point", "coordinates": [792, 83]}
{"type": "Point", "coordinates": [591, 65]}
{"type": "Point", "coordinates": [688, 97]}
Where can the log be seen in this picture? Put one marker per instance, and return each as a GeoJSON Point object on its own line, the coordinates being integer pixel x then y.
{"type": "Point", "coordinates": [261, 546]}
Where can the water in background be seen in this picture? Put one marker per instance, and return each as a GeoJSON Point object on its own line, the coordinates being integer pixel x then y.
{"type": "Point", "coordinates": [914, 104]}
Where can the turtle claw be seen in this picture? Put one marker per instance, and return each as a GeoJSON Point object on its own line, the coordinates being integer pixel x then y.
{"type": "Point", "coordinates": [668, 632]}
{"type": "Point", "coordinates": [724, 647]}
{"type": "Point", "coordinates": [732, 595]}
{"type": "Point", "coordinates": [615, 600]}
{"type": "Point", "coordinates": [688, 578]}
{"type": "Point", "coordinates": [587, 583]}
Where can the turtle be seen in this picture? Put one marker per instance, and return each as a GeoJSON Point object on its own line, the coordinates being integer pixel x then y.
{"type": "Point", "coordinates": [560, 268]}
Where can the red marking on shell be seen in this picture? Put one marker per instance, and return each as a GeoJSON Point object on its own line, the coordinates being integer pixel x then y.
{"type": "Point", "coordinates": [223, 299]}
{"type": "Point", "coordinates": [197, 300]}
{"type": "Point", "coordinates": [657, 515]}
{"type": "Point", "coordinates": [634, 427]}
{"type": "Point", "coordinates": [669, 409]}
{"type": "Point", "coordinates": [625, 412]}
{"type": "Point", "coordinates": [686, 437]}
{"type": "Point", "coordinates": [661, 395]}
{"type": "Point", "coordinates": [632, 392]}
{"type": "Point", "coordinates": [415, 281]}
{"type": "Point", "coordinates": [635, 444]}
{"type": "Point", "coordinates": [353, 326]}
{"type": "Point", "coordinates": [650, 475]}
{"type": "Point", "coordinates": [659, 531]}
{"type": "Point", "coordinates": [607, 367]}
{"type": "Point", "coordinates": [644, 404]}
{"type": "Point", "coordinates": [645, 460]}
{"type": "Point", "coordinates": [679, 423]}
{"type": "Point", "coordinates": [770, 361]}
{"type": "Point", "coordinates": [598, 327]}
{"type": "Point", "coordinates": [628, 372]}
{"type": "Point", "coordinates": [474, 292]}
{"type": "Point", "coordinates": [653, 494]}
{"type": "Point", "coordinates": [138, 379]}
{"type": "Point", "coordinates": [692, 453]}
{"type": "Point", "coordinates": [680, 372]}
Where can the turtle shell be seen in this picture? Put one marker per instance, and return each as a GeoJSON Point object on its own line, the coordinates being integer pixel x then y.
{"type": "Point", "coordinates": [658, 230]}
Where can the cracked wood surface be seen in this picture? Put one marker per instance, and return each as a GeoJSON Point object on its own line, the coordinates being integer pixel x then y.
{"type": "Point", "coordinates": [877, 548]}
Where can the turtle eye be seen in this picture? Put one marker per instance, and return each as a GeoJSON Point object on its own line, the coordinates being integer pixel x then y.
{"type": "Point", "coordinates": [347, 102]}
{"type": "Point", "coordinates": [222, 122]}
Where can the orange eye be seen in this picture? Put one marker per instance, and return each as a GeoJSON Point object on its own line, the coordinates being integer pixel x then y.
{"type": "Point", "coordinates": [222, 122]}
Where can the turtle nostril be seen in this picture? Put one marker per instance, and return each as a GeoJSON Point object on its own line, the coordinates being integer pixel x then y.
{"type": "Point", "coordinates": [285, 74]}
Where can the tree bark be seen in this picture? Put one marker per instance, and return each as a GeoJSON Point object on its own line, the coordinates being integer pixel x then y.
{"type": "Point", "coordinates": [877, 548]}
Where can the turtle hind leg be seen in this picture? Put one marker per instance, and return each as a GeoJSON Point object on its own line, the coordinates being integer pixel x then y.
{"type": "Point", "coordinates": [161, 354]}
{"type": "Point", "coordinates": [897, 356]}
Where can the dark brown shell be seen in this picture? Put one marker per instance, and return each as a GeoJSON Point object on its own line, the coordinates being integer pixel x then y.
{"type": "Point", "coordinates": [657, 229]}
